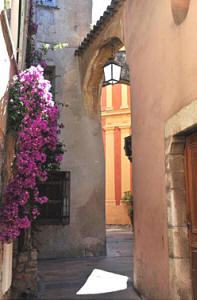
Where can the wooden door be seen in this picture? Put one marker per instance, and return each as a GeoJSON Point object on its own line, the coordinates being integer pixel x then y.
{"type": "Point", "coordinates": [191, 192]}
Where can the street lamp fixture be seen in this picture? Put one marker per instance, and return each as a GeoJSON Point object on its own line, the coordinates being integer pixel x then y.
{"type": "Point", "coordinates": [112, 72]}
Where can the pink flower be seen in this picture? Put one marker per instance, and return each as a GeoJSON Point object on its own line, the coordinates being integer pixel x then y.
{"type": "Point", "coordinates": [42, 200]}
{"type": "Point", "coordinates": [37, 137]}
{"type": "Point", "coordinates": [59, 158]}
{"type": "Point", "coordinates": [43, 64]}
{"type": "Point", "coordinates": [35, 213]}
{"type": "Point", "coordinates": [24, 222]}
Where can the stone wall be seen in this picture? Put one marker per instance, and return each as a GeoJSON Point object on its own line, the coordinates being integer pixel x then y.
{"type": "Point", "coordinates": [25, 274]}
{"type": "Point", "coordinates": [85, 235]}
{"type": "Point", "coordinates": [176, 128]}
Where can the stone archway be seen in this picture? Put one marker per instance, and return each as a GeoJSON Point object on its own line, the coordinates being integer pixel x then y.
{"type": "Point", "coordinates": [95, 50]}
{"type": "Point", "coordinates": [92, 82]}
{"type": "Point", "coordinates": [93, 53]}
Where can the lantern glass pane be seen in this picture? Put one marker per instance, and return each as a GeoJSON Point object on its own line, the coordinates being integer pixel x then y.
{"type": "Point", "coordinates": [116, 72]}
{"type": "Point", "coordinates": [107, 72]}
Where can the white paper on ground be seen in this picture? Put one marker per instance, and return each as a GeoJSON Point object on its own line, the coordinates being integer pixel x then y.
{"type": "Point", "coordinates": [100, 282]}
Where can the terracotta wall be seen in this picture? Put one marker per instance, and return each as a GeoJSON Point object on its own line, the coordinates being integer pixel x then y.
{"type": "Point", "coordinates": [161, 53]}
{"type": "Point", "coordinates": [116, 125]}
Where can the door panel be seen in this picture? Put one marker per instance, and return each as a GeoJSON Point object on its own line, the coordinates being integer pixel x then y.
{"type": "Point", "coordinates": [191, 191]}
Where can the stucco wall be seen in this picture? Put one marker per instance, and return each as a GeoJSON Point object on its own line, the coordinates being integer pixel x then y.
{"type": "Point", "coordinates": [85, 235]}
{"type": "Point", "coordinates": [163, 72]}
{"type": "Point", "coordinates": [7, 70]}
{"type": "Point", "coordinates": [4, 78]}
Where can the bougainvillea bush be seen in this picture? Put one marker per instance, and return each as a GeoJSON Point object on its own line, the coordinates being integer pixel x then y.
{"type": "Point", "coordinates": [33, 118]}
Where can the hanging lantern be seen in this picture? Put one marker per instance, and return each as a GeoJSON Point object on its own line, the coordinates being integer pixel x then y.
{"type": "Point", "coordinates": [112, 72]}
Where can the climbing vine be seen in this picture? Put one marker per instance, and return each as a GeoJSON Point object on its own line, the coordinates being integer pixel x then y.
{"type": "Point", "coordinates": [33, 118]}
{"type": "Point", "coordinates": [33, 121]}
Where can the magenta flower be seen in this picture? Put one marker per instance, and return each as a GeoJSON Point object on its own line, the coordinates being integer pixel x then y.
{"type": "Point", "coordinates": [36, 145]}
{"type": "Point", "coordinates": [59, 158]}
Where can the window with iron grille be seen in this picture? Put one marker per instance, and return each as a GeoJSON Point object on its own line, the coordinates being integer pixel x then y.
{"type": "Point", "coordinates": [51, 3]}
{"type": "Point", "coordinates": [57, 189]}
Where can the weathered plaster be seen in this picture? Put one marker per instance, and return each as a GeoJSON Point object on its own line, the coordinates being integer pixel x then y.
{"type": "Point", "coordinates": [163, 71]}
{"type": "Point", "coordinates": [84, 156]}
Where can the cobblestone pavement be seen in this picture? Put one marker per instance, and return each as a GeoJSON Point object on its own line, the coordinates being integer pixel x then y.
{"type": "Point", "coordinates": [62, 278]}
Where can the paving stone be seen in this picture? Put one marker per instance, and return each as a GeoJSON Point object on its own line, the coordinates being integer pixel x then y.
{"type": "Point", "coordinates": [62, 278]}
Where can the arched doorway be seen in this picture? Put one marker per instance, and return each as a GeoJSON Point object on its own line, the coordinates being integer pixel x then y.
{"type": "Point", "coordinates": [116, 127]}
{"type": "Point", "coordinates": [118, 105]}
{"type": "Point", "coordinates": [92, 54]}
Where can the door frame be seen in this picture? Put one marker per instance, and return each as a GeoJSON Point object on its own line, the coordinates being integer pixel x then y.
{"type": "Point", "coordinates": [189, 196]}
{"type": "Point", "coordinates": [176, 128]}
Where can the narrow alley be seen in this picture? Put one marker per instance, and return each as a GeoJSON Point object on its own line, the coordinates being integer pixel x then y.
{"type": "Point", "coordinates": [62, 278]}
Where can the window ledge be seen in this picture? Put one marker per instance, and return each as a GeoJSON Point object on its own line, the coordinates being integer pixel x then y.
{"type": "Point", "coordinates": [60, 221]}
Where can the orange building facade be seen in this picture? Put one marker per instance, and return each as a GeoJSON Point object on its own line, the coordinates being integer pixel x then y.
{"type": "Point", "coordinates": [116, 125]}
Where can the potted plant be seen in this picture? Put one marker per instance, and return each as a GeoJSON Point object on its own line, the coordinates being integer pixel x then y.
{"type": "Point", "coordinates": [128, 199]}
